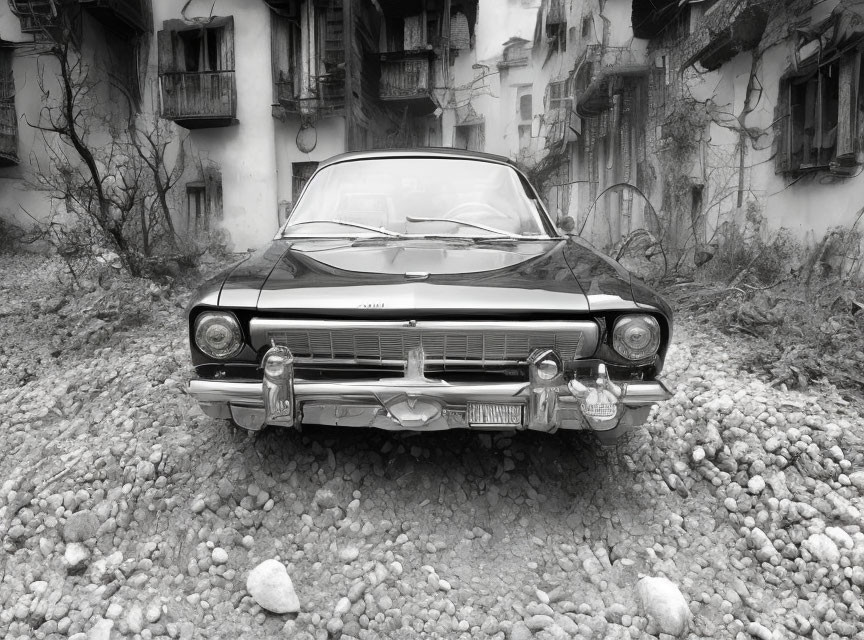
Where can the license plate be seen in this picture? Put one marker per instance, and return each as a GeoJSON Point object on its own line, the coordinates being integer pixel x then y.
{"type": "Point", "coordinates": [488, 414]}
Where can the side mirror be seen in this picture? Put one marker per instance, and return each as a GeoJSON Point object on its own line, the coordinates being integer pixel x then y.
{"type": "Point", "coordinates": [566, 223]}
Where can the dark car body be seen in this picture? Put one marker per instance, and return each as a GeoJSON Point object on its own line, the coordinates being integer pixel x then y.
{"type": "Point", "coordinates": [429, 332]}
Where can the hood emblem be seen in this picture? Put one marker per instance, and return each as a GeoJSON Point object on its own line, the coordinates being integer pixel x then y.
{"type": "Point", "coordinates": [371, 305]}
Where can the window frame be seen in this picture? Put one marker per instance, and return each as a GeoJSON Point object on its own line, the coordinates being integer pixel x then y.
{"type": "Point", "coordinates": [792, 115]}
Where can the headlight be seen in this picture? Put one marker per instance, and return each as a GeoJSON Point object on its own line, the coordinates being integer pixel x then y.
{"type": "Point", "coordinates": [218, 334]}
{"type": "Point", "coordinates": [636, 337]}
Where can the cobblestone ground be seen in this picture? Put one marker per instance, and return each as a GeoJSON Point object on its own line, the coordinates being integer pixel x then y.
{"type": "Point", "coordinates": [125, 512]}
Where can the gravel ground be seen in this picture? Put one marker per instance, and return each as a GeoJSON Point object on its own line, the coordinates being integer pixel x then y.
{"type": "Point", "coordinates": [125, 512]}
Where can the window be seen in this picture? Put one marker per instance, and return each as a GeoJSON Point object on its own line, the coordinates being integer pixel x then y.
{"type": "Point", "coordinates": [526, 115]}
{"type": "Point", "coordinates": [526, 111]}
{"type": "Point", "coordinates": [196, 73]}
{"type": "Point", "coordinates": [820, 113]}
{"type": "Point", "coordinates": [196, 49]}
{"type": "Point", "coordinates": [300, 174]}
{"type": "Point", "coordinates": [556, 95]}
{"type": "Point", "coordinates": [285, 44]}
{"type": "Point", "coordinates": [201, 49]}
{"type": "Point", "coordinates": [587, 26]}
{"type": "Point", "coordinates": [195, 207]}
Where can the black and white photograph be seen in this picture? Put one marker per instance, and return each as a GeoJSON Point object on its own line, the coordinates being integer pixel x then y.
{"type": "Point", "coordinates": [396, 319]}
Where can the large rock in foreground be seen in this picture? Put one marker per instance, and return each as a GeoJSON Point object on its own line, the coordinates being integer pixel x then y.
{"type": "Point", "coordinates": [663, 604]}
{"type": "Point", "coordinates": [271, 587]}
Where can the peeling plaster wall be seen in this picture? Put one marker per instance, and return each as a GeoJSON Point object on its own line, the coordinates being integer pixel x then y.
{"type": "Point", "coordinates": [246, 152]}
{"type": "Point", "coordinates": [23, 201]}
{"type": "Point", "coordinates": [809, 205]}
{"type": "Point", "coordinates": [491, 94]}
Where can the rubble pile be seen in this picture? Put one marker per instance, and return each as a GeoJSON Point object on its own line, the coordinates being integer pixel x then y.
{"type": "Point", "coordinates": [124, 511]}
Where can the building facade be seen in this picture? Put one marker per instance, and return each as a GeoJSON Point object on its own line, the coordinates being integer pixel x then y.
{"type": "Point", "coordinates": [666, 115]}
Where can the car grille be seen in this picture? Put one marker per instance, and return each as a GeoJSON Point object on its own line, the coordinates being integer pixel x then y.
{"type": "Point", "coordinates": [388, 342]}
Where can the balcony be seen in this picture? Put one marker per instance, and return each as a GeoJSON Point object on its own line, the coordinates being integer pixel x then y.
{"type": "Point", "coordinates": [122, 16]}
{"type": "Point", "coordinates": [602, 70]}
{"type": "Point", "coordinates": [35, 16]}
{"type": "Point", "coordinates": [407, 78]}
{"type": "Point", "coordinates": [199, 100]}
{"type": "Point", "coordinates": [8, 134]}
{"type": "Point", "coordinates": [326, 97]}
{"type": "Point", "coordinates": [726, 29]}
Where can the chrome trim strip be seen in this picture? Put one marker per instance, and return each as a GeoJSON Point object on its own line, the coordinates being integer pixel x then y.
{"type": "Point", "coordinates": [348, 392]}
{"type": "Point", "coordinates": [401, 363]}
{"type": "Point", "coordinates": [532, 326]}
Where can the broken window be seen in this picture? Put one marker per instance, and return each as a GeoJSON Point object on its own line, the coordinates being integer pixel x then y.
{"type": "Point", "coordinates": [820, 111]}
{"type": "Point", "coordinates": [196, 72]}
{"type": "Point", "coordinates": [556, 95]}
{"type": "Point", "coordinates": [285, 43]}
{"type": "Point", "coordinates": [185, 48]}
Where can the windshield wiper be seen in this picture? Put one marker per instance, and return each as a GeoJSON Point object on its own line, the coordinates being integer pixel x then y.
{"type": "Point", "coordinates": [461, 222]}
{"type": "Point", "coordinates": [452, 239]}
{"type": "Point", "coordinates": [380, 230]}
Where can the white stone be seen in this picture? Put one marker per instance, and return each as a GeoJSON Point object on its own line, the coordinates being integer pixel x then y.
{"type": "Point", "coordinates": [349, 554]}
{"type": "Point", "coordinates": [270, 586]}
{"type": "Point", "coordinates": [219, 555]}
{"type": "Point", "coordinates": [857, 479]}
{"type": "Point", "coordinates": [663, 604]}
{"type": "Point", "coordinates": [839, 536]}
{"type": "Point", "coordinates": [823, 547]}
{"type": "Point", "coordinates": [101, 630]}
{"type": "Point", "coordinates": [76, 556]}
{"type": "Point", "coordinates": [756, 485]}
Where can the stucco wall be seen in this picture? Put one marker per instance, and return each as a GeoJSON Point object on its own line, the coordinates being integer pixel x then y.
{"type": "Point", "coordinates": [246, 152]}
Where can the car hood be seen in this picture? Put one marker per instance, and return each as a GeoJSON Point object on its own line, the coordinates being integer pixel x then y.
{"type": "Point", "coordinates": [379, 278]}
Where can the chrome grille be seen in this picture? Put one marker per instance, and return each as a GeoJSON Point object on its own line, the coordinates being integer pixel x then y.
{"type": "Point", "coordinates": [388, 342]}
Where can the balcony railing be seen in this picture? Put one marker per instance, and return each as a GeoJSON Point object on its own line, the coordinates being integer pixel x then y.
{"type": "Point", "coordinates": [199, 99]}
{"type": "Point", "coordinates": [406, 77]}
{"type": "Point", "coordinates": [35, 15]}
{"type": "Point", "coordinates": [8, 133]}
{"type": "Point", "coordinates": [326, 97]}
{"type": "Point", "coordinates": [602, 65]}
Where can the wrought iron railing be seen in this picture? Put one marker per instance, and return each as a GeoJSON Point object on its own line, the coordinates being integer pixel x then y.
{"type": "Point", "coordinates": [200, 94]}
{"type": "Point", "coordinates": [35, 15]}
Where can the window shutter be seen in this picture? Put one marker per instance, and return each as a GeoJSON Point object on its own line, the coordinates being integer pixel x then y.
{"type": "Point", "coordinates": [227, 53]}
{"type": "Point", "coordinates": [782, 129]}
{"type": "Point", "coordinates": [168, 51]}
{"type": "Point", "coordinates": [846, 107]}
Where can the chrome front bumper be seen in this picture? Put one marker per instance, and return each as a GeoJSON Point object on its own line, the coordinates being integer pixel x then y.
{"type": "Point", "coordinates": [417, 403]}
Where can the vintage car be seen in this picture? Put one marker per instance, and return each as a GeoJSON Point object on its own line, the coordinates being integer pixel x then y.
{"type": "Point", "coordinates": [427, 290]}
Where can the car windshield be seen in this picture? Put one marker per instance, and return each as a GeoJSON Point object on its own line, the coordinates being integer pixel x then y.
{"type": "Point", "coordinates": [416, 197]}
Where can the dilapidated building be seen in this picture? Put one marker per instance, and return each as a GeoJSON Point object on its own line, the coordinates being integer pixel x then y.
{"type": "Point", "coordinates": [674, 116]}
{"type": "Point", "coordinates": [258, 92]}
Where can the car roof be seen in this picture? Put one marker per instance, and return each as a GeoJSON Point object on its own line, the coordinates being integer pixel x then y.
{"type": "Point", "coordinates": [419, 152]}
